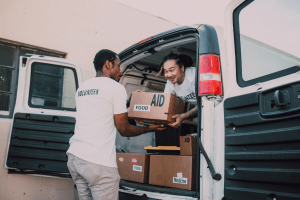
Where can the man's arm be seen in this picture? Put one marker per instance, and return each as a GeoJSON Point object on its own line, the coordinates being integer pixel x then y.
{"type": "Point", "coordinates": [127, 130]}
{"type": "Point", "coordinates": [190, 114]}
{"type": "Point", "coordinates": [181, 117]}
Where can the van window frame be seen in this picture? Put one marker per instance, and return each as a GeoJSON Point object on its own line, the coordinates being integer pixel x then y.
{"type": "Point", "coordinates": [238, 58]}
{"type": "Point", "coordinates": [31, 84]}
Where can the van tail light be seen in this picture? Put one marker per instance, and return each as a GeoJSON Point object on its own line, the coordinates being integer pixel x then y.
{"type": "Point", "coordinates": [210, 82]}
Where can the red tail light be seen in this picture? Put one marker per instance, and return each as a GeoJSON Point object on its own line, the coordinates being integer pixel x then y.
{"type": "Point", "coordinates": [210, 76]}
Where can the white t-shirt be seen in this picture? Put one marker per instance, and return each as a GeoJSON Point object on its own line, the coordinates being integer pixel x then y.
{"type": "Point", "coordinates": [186, 90]}
{"type": "Point", "coordinates": [97, 101]}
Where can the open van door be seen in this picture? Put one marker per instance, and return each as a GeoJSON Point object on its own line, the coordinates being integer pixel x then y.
{"type": "Point", "coordinates": [44, 116]}
{"type": "Point", "coordinates": [262, 101]}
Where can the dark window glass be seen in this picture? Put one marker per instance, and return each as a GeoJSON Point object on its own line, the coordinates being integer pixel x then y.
{"type": "Point", "coordinates": [5, 79]}
{"type": "Point", "coordinates": [7, 54]}
{"type": "Point", "coordinates": [52, 87]}
{"type": "Point", "coordinates": [44, 69]}
{"type": "Point", "coordinates": [46, 86]}
{"type": "Point", "coordinates": [4, 102]}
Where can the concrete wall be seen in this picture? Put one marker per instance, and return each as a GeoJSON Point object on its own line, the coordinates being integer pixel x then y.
{"type": "Point", "coordinates": [80, 28]}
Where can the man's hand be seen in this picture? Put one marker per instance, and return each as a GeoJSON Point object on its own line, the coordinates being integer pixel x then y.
{"type": "Point", "coordinates": [181, 117]}
{"type": "Point", "coordinates": [178, 122]}
{"type": "Point", "coordinates": [139, 122]}
{"type": "Point", "coordinates": [156, 128]}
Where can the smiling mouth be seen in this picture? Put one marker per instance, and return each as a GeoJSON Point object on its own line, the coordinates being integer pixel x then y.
{"type": "Point", "coordinates": [172, 79]}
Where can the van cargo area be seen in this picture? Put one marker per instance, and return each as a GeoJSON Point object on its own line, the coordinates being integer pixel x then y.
{"type": "Point", "coordinates": [141, 72]}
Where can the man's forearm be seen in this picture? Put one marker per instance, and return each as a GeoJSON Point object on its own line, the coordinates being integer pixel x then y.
{"type": "Point", "coordinates": [132, 131]}
{"type": "Point", "coordinates": [190, 114]}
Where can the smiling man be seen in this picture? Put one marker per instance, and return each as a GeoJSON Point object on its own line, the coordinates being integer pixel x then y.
{"type": "Point", "coordinates": [101, 111]}
{"type": "Point", "coordinates": [180, 77]}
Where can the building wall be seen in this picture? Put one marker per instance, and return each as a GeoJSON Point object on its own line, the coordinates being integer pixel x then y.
{"type": "Point", "coordinates": [80, 28]}
{"type": "Point", "coordinates": [77, 27]}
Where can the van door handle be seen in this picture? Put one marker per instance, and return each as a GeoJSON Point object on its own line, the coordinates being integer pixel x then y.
{"type": "Point", "coordinates": [281, 95]}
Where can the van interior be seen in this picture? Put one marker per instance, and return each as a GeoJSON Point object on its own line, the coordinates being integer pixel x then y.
{"type": "Point", "coordinates": [141, 72]}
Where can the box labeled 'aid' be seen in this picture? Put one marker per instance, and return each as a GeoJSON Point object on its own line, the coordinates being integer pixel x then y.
{"type": "Point", "coordinates": [133, 166]}
{"type": "Point", "coordinates": [188, 145]}
{"type": "Point", "coordinates": [155, 108]}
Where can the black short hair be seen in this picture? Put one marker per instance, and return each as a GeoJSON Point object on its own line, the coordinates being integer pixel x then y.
{"type": "Point", "coordinates": [102, 56]}
{"type": "Point", "coordinates": [181, 60]}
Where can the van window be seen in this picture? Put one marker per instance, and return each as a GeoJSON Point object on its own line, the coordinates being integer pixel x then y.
{"type": "Point", "coordinates": [52, 87]}
{"type": "Point", "coordinates": [10, 52]}
{"type": "Point", "coordinates": [267, 42]}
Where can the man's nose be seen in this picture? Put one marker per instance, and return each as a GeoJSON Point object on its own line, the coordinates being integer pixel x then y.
{"type": "Point", "coordinates": [167, 75]}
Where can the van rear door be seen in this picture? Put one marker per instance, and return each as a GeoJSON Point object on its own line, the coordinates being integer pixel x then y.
{"type": "Point", "coordinates": [262, 101]}
{"type": "Point", "coordinates": [44, 116]}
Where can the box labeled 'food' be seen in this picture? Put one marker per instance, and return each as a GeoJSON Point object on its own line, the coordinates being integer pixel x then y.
{"type": "Point", "coordinates": [155, 108]}
{"type": "Point", "coordinates": [173, 171]}
{"type": "Point", "coordinates": [133, 166]}
{"type": "Point", "coordinates": [188, 145]}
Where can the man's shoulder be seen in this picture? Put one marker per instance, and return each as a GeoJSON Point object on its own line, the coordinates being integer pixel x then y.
{"type": "Point", "coordinates": [86, 83]}
{"type": "Point", "coordinates": [103, 81]}
{"type": "Point", "coordinates": [190, 71]}
{"type": "Point", "coordinates": [117, 85]}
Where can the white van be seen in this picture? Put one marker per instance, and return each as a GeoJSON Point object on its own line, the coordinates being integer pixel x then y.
{"type": "Point", "coordinates": [248, 129]}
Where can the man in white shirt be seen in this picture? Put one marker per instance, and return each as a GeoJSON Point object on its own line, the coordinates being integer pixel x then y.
{"type": "Point", "coordinates": [181, 82]}
{"type": "Point", "coordinates": [101, 111]}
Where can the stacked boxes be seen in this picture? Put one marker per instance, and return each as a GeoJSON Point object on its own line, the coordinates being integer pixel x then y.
{"type": "Point", "coordinates": [176, 171]}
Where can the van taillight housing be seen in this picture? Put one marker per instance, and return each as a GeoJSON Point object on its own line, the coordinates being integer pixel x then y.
{"type": "Point", "coordinates": [210, 82]}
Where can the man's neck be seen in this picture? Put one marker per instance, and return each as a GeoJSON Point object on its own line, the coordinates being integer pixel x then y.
{"type": "Point", "coordinates": [180, 81]}
{"type": "Point", "coordinates": [100, 74]}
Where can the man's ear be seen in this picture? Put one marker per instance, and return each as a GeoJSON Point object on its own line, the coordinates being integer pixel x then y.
{"type": "Point", "coordinates": [182, 68]}
{"type": "Point", "coordinates": [108, 64]}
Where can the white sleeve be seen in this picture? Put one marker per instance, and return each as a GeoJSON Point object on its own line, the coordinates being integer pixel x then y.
{"type": "Point", "coordinates": [119, 101]}
{"type": "Point", "coordinates": [169, 88]}
{"type": "Point", "coordinates": [193, 85]}
{"type": "Point", "coordinates": [191, 77]}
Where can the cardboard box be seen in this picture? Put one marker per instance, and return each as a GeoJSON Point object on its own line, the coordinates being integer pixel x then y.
{"type": "Point", "coordinates": [164, 150]}
{"type": "Point", "coordinates": [134, 166]}
{"type": "Point", "coordinates": [155, 108]}
{"type": "Point", "coordinates": [173, 171]}
{"type": "Point", "coordinates": [188, 145]}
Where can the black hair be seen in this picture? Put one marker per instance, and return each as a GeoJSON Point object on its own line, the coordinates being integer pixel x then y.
{"type": "Point", "coordinates": [102, 56]}
{"type": "Point", "coordinates": [181, 60]}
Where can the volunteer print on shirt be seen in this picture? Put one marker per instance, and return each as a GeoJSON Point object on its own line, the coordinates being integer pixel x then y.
{"type": "Point", "coordinates": [88, 92]}
{"type": "Point", "coordinates": [186, 90]}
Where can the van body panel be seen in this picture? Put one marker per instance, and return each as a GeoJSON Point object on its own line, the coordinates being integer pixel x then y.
{"type": "Point", "coordinates": [40, 132]}
{"type": "Point", "coordinates": [261, 137]}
